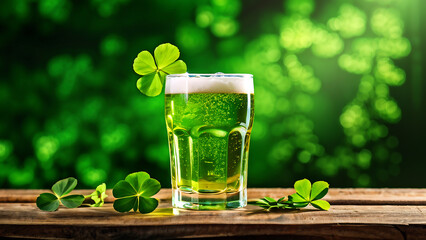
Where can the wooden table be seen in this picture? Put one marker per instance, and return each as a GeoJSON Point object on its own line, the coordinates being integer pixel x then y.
{"type": "Point", "coordinates": [354, 214]}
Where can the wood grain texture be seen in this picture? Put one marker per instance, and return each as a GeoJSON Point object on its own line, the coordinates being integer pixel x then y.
{"type": "Point", "coordinates": [21, 218]}
{"type": "Point", "coordinates": [337, 196]}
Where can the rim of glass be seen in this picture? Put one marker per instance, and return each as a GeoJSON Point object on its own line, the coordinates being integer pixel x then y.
{"type": "Point", "coordinates": [224, 75]}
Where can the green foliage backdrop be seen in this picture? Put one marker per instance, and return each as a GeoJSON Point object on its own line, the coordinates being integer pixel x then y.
{"type": "Point", "coordinates": [338, 87]}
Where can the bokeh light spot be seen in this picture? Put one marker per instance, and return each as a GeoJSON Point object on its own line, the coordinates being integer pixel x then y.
{"type": "Point", "coordinates": [93, 176]}
{"type": "Point", "coordinates": [92, 168]}
{"type": "Point", "coordinates": [387, 72]}
{"type": "Point", "coordinates": [388, 109]}
{"type": "Point", "coordinates": [366, 84]}
{"type": "Point", "coordinates": [229, 8]}
{"type": "Point", "coordinates": [191, 38]}
{"type": "Point", "coordinates": [6, 148]}
{"type": "Point", "coordinates": [328, 165]}
{"type": "Point", "coordinates": [394, 48]}
{"type": "Point", "coordinates": [264, 50]}
{"type": "Point", "coordinates": [158, 154]}
{"type": "Point", "coordinates": [326, 44]}
{"type": "Point", "coordinates": [304, 156]}
{"type": "Point", "coordinates": [57, 10]}
{"type": "Point", "coordinates": [265, 102]}
{"type": "Point", "coordinates": [112, 45]}
{"type": "Point", "coordinates": [296, 33]}
{"type": "Point", "coordinates": [350, 22]}
{"type": "Point", "coordinates": [357, 64]}
{"type": "Point", "coordinates": [302, 7]}
{"type": "Point", "coordinates": [45, 148]}
{"type": "Point", "coordinates": [304, 102]}
{"type": "Point", "coordinates": [365, 47]}
{"type": "Point", "coordinates": [283, 105]}
{"type": "Point", "coordinates": [358, 140]}
{"type": "Point", "coordinates": [354, 116]}
{"type": "Point", "coordinates": [282, 151]}
{"type": "Point", "coordinates": [204, 17]}
{"type": "Point", "coordinates": [224, 27]}
{"type": "Point", "coordinates": [364, 159]}
{"type": "Point", "coordinates": [22, 176]}
{"type": "Point", "coordinates": [106, 8]}
{"type": "Point", "coordinates": [114, 136]}
{"type": "Point", "coordinates": [377, 131]}
{"type": "Point", "coordinates": [382, 90]}
{"type": "Point", "coordinates": [387, 23]}
{"type": "Point", "coordinates": [363, 180]}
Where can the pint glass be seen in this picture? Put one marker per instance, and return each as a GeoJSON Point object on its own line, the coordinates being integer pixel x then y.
{"type": "Point", "coordinates": [209, 119]}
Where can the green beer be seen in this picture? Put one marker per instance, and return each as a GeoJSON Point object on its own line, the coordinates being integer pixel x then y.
{"type": "Point", "coordinates": [209, 133]}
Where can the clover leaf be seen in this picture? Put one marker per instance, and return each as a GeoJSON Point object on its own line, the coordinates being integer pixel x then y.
{"type": "Point", "coordinates": [307, 193]}
{"type": "Point", "coordinates": [269, 203]}
{"type": "Point", "coordinates": [98, 196]}
{"type": "Point", "coordinates": [135, 193]}
{"type": "Point", "coordinates": [154, 71]}
{"type": "Point", "coordinates": [47, 202]}
{"type": "Point", "coordinates": [50, 202]}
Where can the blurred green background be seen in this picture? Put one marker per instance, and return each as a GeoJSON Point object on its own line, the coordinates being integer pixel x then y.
{"type": "Point", "coordinates": [339, 92]}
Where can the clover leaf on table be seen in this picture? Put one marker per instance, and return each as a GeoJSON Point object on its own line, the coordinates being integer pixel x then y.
{"type": "Point", "coordinates": [50, 202]}
{"type": "Point", "coordinates": [307, 193]}
{"type": "Point", "coordinates": [269, 203]}
{"type": "Point", "coordinates": [135, 193]}
{"type": "Point", "coordinates": [154, 71]}
{"type": "Point", "coordinates": [98, 196]}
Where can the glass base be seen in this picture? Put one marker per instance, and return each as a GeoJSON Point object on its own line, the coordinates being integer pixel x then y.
{"type": "Point", "coordinates": [209, 201]}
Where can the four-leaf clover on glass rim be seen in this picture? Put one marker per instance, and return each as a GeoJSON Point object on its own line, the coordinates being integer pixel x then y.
{"type": "Point", "coordinates": [135, 193]}
{"type": "Point", "coordinates": [154, 71]}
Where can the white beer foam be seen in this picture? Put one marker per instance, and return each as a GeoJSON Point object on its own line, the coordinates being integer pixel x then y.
{"type": "Point", "coordinates": [193, 83]}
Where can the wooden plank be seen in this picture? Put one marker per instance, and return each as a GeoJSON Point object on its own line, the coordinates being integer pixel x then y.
{"type": "Point", "coordinates": [336, 196]}
{"type": "Point", "coordinates": [356, 222]}
{"type": "Point", "coordinates": [19, 217]}
{"type": "Point", "coordinates": [219, 231]}
{"type": "Point", "coordinates": [27, 213]}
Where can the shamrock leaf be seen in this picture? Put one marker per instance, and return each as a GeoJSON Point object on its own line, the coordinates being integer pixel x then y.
{"type": "Point", "coordinates": [72, 201]}
{"type": "Point", "coordinates": [64, 186]}
{"type": "Point", "coordinates": [266, 203]}
{"type": "Point", "coordinates": [319, 190]}
{"type": "Point", "coordinates": [144, 63]}
{"type": "Point", "coordinates": [135, 193]}
{"type": "Point", "coordinates": [321, 204]}
{"type": "Point", "coordinates": [154, 71]}
{"type": "Point", "coordinates": [165, 54]}
{"type": "Point", "coordinates": [50, 202]}
{"type": "Point", "coordinates": [306, 193]}
{"type": "Point", "coordinates": [297, 201]}
{"type": "Point", "coordinates": [151, 84]}
{"type": "Point", "coordinates": [47, 202]}
{"type": "Point", "coordinates": [303, 188]}
{"type": "Point", "coordinates": [98, 196]}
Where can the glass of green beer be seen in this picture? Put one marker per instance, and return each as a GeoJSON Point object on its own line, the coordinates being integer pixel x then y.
{"type": "Point", "coordinates": [209, 119]}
